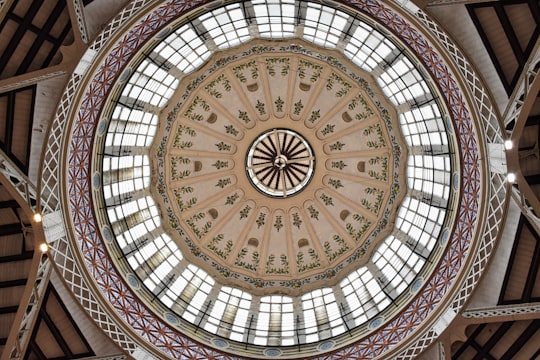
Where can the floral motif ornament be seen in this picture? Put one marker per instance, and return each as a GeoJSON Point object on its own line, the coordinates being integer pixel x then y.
{"type": "Point", "coordinates": [168, 340]}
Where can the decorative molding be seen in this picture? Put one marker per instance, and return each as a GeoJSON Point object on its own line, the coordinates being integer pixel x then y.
{"type": "Point", "coordinates": [78, 8]}
{"type": "Point", "coordinates": [31, 81]}
{"type": "Point", "coordinates": [503, 310]}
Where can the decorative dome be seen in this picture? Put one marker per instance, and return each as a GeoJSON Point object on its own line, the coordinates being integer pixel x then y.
{"type": "Point", "coordinates": [236, 174]}
{"type": "Point", "coordinates": [278, 179]}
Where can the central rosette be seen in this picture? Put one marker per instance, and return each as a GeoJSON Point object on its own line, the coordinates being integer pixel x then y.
{"type": "Point", "coordinates": [279, 168]}
{"type": "Point", "coordinates": [280, 163]}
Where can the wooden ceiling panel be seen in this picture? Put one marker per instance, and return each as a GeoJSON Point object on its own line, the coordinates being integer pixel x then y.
{"type": "Point", "coordinates": [47, 342]}
{"type": "Point", "coordinates": [32, 33]}
{"type": "Point", "coordinates": [21, 7]}
{"type": "Point", "coordinates": [12, 297]}
{"type": "Point", "coordinates": [63, 321]}
{"type": "Point", "coordinates": [529, 137]}
{"type": "Point", "coordinates": [56, 336]}
{"type": "Point", "coordinates": [522, 272]}
{"type": "Point", "coordinates": [469, 353]}
{"type": "Point", "coordinates": [526, 344]}
{"type": "Point", "coordinates": [8, 216]}
{"type": "Point", "coordinates": [36, 63]}
{"type": "Point", "coordinates": [4, 193]}
{"type": "Point", "coordinates": [14, 270]}
{"type": "Point", "coordinates": [510, 337]}
{"type": "Point", "coordinates": [9, 203]}
{"type": "Point", "coordinates": [509, 29]}
{"type": "Point", "coordinates": [485, 334]}
{"type": "Point", "coordinates": [21, 214]}
{"type": "Point", "coordinates": [59, 26]}
{"type": "Point", "coordinates": [51, 11]}
{"type": "Point", "coordinates": [514, 289]}
{"type": "Point", "coordinates": [9, 29]}
{"type": "Point", "coordinates": [22, 125]}
{"type": "Point", "coordinates": [495, 34]}
{"type": "Point", "coordinates": [520, 14]}
{"type": "Point", "coordinates": [23, 47]}
{"type": "Point", "coordinates": [10, 229]}
{"type": "Point", "coordinates": [42, 15]}
{"type": "Point", "coordinates": [15, 51]}
{"type": "Point", "coordinates": [3, 118]}
{"type": "Point", "coordinates": [530, 347]}
{"type": "Point", "coordinates": [535, 111]}
{"type": "Point", "coordinates": [18, 119]}
{"type": "Point", "coordinates": [535, 292]}
{"type": "Point", "coordinates": [15, 244]}
{"type": "Point", "coordinates": [503, 340]}
{"type": "Point", "coordinates": [5, 325]}
{"type": "Point", "coordinates": [11, 246]}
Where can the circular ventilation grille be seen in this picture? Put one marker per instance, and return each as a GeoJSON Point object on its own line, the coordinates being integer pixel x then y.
{"type": "Point", "coordinates": [280, 163]}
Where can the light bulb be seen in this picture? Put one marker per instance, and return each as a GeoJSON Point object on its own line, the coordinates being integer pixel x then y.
{"type": "Point", "coordinates": [44, 247]}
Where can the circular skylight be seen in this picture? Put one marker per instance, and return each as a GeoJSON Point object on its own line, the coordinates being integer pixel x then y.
{"type": "Point", "coordinates": [280, 163]}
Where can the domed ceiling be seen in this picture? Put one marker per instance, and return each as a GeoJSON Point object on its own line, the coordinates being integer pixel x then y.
{"type": "Point", "coordinates": [280, 169]}
{"type": "Point", "coordinates": [274, 178]}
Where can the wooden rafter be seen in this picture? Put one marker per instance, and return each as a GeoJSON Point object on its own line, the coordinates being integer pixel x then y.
{"type": "Point", "coordinates": [40, 44]}
{"type": "Point", "coordinates": [526, 294]}
{"type": "Point", "coordinates": [55, 322]}
{"type": "Point", "coordinates": [14, 120]}
{"type": "Point", "coordinates": [483, 340]}
{"type": "Point", "coordinates": [520, 54]}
